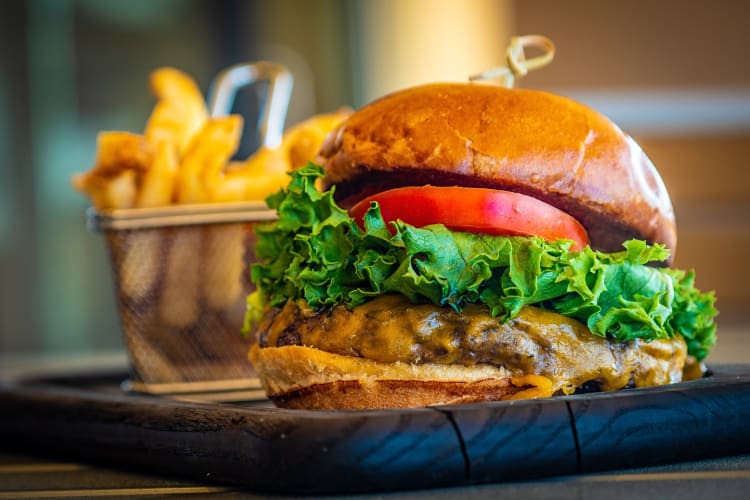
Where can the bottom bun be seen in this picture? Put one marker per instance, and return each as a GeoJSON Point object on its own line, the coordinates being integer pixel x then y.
{"type": "Point", "coordinates": [305, 377]}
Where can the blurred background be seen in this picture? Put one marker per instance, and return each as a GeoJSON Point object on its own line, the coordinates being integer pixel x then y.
{"type": "Point", "coordinates": [674, 74]}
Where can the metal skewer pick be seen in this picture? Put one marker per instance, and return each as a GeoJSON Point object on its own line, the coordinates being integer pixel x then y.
{"type": "Point", "coordinates": [517, 64]}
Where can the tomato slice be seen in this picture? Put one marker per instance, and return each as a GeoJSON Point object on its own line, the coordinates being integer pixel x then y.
{"type": "Point", "coordinates": [476, 210]}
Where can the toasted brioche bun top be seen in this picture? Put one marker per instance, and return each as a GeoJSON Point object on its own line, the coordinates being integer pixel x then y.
{"type": "Point", "coordinates": [527, 141]}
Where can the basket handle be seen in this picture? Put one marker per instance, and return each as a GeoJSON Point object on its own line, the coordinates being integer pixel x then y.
{"type": "Point", "coordinates": [280, 83]}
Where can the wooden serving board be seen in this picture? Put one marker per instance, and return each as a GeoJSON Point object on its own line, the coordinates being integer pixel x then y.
{"type": "Point", "coordinates": [294, 451]}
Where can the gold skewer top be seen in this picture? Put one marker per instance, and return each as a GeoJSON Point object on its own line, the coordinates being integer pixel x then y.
{"type": "Point", "coordinates": [517, 64]}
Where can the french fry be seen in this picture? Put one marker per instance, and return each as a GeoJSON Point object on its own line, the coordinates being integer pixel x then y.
{"type": "Point", "coordinates": [113, 184]}
{"type": "Point", "coordinates": [204, 160]}
{"type": "Point", "coordinates": [157, 185]}
{"type": "Point", "coordinates": [107, 193]}
{"type": "Point", "coordinates": [113, 181]}
{"type": "Point", "coordinates": [242, 184]}
{"type": "Point", "coordinates": [200, 168]}
{"type": "Point", "coordinates": [229, 189]}
{"type": "Point", "coordinates": [264, 173]}
{"type": "Point", "coordinates": [201, 165]}
{"type": "Point", "coordinates": [118, 151]}
{"type": "Point", "coordinates": [139, 267]}
{"type": "Point", "coordinates": [223, 265]}
{"type": "Point", "coordinates": [181, 111]}
{"type": "Point", "coordinates": [178, 304]}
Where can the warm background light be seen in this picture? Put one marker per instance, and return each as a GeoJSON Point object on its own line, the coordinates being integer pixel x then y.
{"type": "Point", "coordinates": [405, 43]}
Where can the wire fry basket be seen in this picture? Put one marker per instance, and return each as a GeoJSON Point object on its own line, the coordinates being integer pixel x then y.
{"type": "Point", "coordinates": [181, 272]}
{"type": "Point", "coordinates": [181, 278]}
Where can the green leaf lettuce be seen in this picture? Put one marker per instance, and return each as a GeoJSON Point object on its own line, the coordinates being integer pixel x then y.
{"type": "Point", "coordinates": [316, 252]}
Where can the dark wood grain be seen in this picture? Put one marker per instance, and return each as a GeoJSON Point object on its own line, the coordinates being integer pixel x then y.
{"type": "Point", "coordinates": [265, 448]}
{"type": "Point", "coordinates": [687, 421]}
{"type": "Point", "coordinates": [516, 439]}
{"type": "Point", "coordinates": [293, 451]}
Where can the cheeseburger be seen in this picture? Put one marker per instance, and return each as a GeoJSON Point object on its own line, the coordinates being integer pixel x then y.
{"type": "Point", "coordinates": [464, 242]}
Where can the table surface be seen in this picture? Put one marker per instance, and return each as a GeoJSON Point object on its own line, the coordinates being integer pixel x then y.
{"type": "Point", "coordinates": [26, 476]}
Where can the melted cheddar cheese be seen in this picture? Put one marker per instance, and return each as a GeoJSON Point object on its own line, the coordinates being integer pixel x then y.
{"type": "Point", "coordinates": [537, 342]}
